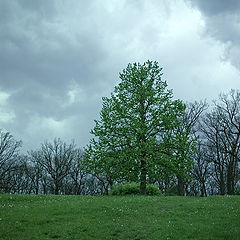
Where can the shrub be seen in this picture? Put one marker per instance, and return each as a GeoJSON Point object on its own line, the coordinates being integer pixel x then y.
{"type": "Point", "coordinates": [125, 189]}
{"type": "Point", "coordinates": [153, 190]}
{"type": "Point", "coordinates": [134, 188]}
{"type": "Point", "coordinates": [172, 191]}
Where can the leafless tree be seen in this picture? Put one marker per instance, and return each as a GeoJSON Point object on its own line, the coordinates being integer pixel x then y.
{"type": "Point", "coordinates": [221, 129]}
{"type": "Point", "coordinates": [190, 127]}
{"type": "Point", "coordinates": [77, 172]}
{"type": "Point", "coordinates": [229, 110]}
{"type": "Point", "coordinates": [9, 149]}
{"type": "Point", "coordinates": [56, 159]}
{"type": "Point", "coordinates": [201, 168]}
{"type": "Point", "coordinates": [75, 181]}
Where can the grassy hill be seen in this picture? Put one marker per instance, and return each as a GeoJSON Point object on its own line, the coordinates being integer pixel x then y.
{"type": "Point", "coordinates": [113, 217]}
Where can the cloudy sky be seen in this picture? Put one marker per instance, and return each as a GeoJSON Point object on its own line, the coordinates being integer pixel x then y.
{"type": "Point", "coordinates": [59, 57]}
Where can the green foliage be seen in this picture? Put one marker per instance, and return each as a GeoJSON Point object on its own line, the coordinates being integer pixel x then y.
{"type": "Point", "coordinates": [153, 190]}
{"type": "Point", "coordinates": [138, 133]}
{"type": "Point", "coordinates": [171, 191]}
{"type": "Point", "coordinates": [125, 189]}
{"type": "Point", "coordinates": [118, 217]}
{"type": "Point", "coordinates": [134, 188]}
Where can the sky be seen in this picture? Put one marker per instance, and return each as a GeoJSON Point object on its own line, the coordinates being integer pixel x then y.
{"type": "Point", "coordinates": [58, 58]}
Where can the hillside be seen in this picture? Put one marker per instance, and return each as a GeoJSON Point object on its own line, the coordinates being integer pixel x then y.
{"type": "Point", "coordinates": [133, 217]}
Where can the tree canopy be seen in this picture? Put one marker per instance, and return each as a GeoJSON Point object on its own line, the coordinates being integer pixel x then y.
{"type": "Point", "coordinates": [137, 134]}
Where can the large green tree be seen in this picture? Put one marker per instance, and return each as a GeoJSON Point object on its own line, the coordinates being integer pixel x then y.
{"type": "Point", "coordinates": [136, 133]}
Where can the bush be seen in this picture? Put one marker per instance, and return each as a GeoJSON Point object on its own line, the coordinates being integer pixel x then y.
{"type": "Point", "coordinates": [153, 190]}
{"type": "Point", "coordinates": [134, 188]}
{"type": "Point", "coordinates": [172, 191]}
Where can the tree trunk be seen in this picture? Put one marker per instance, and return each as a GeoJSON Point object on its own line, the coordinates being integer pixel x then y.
{"type": "Point", "coordinates": [203, 190]}
{"type": "Point", "coordinates": [37, 187]}
{"type": "Point", "coordinates": [230, 179]}
{"type": "Point", "coordinates": [180, 186]}
{"type": "Point", "coordinates": [143, 178]}
{"type": "Point", "coordinates": [44, 188]}
{"type": "Point", "coordinates": [56, 190]}
{"type": "Point", "coordinates": [222, 184]}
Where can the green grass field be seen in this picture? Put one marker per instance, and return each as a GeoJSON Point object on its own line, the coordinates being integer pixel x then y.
{"type": "Point", "coordinates": [114, 217]}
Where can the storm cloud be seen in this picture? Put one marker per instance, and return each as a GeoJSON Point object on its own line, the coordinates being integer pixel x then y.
{"type": "Point", "coordinates": [222, 20]}
{"type": "Point", "coordinates": [59, 58]}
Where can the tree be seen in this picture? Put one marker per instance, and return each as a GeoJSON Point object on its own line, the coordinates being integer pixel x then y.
{"type": "Point", "coordinates": [221, 129]}
{"type": "Point", "coordinates": [211, 136]}
{"type": "Point", "coordinates": [132, 138]}
{"type": "Point", "coordinates": [77, 174]}
{"type": "Point", "coordinates": [188, 139]}
{"type": "Point", "coordinates": [34, 173]}
{"type": "Point", "coordinates": [56, 159]}
{"type": "Point", "coordinates": [9, 149]}
{"type": "Point", "coordinates": [201, 169]}
{"type": "Point", "coordinates": [228, 109]}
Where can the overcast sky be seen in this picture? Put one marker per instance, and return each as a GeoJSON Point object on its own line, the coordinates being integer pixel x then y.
{"type": "Point", "coordinates": [59, 58]}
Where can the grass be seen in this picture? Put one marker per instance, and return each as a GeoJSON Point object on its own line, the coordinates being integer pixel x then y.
{"type": "Point", "coordinates": [28, 217]}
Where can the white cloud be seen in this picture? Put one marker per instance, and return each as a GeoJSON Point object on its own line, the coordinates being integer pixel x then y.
{"type": "Point", "coordinates": [75, 95]}
{"type": "Point", "coordinates": [6, 114]}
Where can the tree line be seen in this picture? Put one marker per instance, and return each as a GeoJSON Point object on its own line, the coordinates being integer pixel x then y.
{"type": "Point", "coordinates": [143, 135]}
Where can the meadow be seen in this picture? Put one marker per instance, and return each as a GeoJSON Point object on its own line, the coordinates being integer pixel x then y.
{"type": "Point", "coordinates": [25, 217]}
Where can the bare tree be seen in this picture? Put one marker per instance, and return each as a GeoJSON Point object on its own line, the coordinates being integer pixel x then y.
{"type": "Point", "coordinates": [201, 169]}
{"type": "Point", "coordinates": [9, 149]}
{"type": "Point", "coordinates": [56, 159]}
{"type": "Point", "coordinates": [229, 110]}
{"type": "Point", "coordinates": [221, 130]}
{"type": "Point", "coordinates": [212, 140]}
{"type": "Point", "coordinates": [75, 181]}
{"type": "Point", "coordinates": [190, 126]}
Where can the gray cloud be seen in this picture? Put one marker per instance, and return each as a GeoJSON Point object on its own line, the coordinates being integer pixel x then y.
{"type": "Point", "coordinates": [215, 7]}
{"type": "Point", "coordinates": [58, 58]}
{"type": "Point", "coordinates": [41, 63]}
{"type": "Point", "coordinates": [223, 23]}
